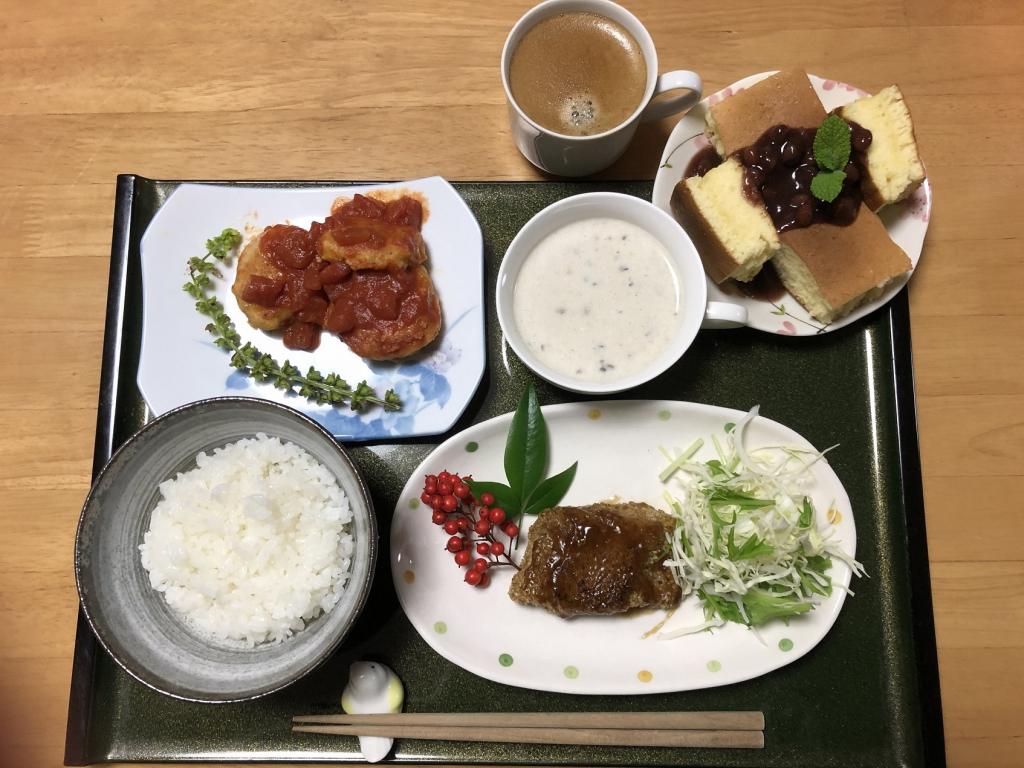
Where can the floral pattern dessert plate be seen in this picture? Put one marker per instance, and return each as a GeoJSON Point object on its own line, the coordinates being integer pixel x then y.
{"type": "Point", "coordinates": [179, 362]}
{"type": "Point", "coordinates": [485, 632]}
{"type": "Point", "coordinates": [906, 222]}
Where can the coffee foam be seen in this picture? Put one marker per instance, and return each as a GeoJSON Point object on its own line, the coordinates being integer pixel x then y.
{"type": "Point", "coordinates": [580, 110]}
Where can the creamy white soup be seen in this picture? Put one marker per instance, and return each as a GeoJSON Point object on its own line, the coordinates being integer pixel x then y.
{"type": "Point", "coordinates": [597, 300]}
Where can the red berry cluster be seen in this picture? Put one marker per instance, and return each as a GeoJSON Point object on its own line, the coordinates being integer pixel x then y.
{"type": "Point", "coordinates": [472, 525]}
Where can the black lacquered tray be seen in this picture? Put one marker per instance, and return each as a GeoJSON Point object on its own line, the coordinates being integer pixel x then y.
{"type": "Point", "coordinates": [868, 695]}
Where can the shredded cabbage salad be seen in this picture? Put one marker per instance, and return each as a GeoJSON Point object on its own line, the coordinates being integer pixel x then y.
{"type": "Point", "coordinates": [746, 538]}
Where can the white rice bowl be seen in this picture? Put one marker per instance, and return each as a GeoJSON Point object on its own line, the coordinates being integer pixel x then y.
{"type": "Point", "coordinates": [252, 544]}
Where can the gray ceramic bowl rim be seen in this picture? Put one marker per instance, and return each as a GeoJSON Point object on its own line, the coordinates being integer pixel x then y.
{"type": "Point", "coordinates": [364, 588]}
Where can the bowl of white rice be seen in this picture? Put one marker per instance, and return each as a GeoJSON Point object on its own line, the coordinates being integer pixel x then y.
{"type": "Point", "coordinates": [225, 550]}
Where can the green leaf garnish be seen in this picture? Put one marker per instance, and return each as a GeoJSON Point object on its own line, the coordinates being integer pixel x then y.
{"type": "Point", "coordinates": [550, 491]}
{"type": "Point", "coordinates": [806, 514]}
{"type": "Point", "coordinates": [329, 389]}
{"type": "Point", "coordinates": [718, 606]}
{"type": "Point", "coordinates": [526, 460]}
{"type": "Point", "coordinates": [504, 496]}
{"type": "Point", "coordinates": [832, 144]}
{"type": "Point", "coordinates": [724, 497]}
{"type": "Point", "coordinates": [831, 153]}
{"type": "Point", "coordinates": [817, 564]}
{"type": "Point", "coordinates": [826, 185]}
{"type": "Point", "coordinates": [762, 606]}
{"type": "Point", "coordinates": [750, 549]}
{"type": "Point", "coordinates": [526, 448]}
{"type": "Point", "coordinates": [718, 519]}
{"type": "Point", "coordinates": [717, 470]}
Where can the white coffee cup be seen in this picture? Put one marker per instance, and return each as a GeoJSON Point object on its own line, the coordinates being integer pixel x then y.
{"type": "Point", "coordinates": [696, 311]}
{"type": "Point", "coordinates": [566, 155]}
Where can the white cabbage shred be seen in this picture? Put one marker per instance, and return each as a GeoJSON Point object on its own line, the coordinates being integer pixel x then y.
{"type": "Point", "coordinates": [747, 539]}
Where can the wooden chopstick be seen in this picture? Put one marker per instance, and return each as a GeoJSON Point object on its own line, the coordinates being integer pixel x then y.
{"type": "Point", "coordinates": [727, 721]}
{"type": "Point", "coordinates": [611, 737]}
{"type": "Point", "coordinates": [742, 730]}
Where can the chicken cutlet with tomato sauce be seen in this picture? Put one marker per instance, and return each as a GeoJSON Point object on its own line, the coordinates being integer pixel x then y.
{"type": "Point", "coordinates": [367, 233]}
{"type": "Point", "coordinates": [359, 274]}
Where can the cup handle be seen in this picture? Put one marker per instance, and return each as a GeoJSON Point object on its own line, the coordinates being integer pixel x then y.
{"type": "Point", "coordinates": [672, 81]}
{"type": "Point", "coordinates": [724, 314]}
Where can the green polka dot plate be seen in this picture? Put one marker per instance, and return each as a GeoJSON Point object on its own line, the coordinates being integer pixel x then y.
{"type": "Point", "coordinates": [617, 444]}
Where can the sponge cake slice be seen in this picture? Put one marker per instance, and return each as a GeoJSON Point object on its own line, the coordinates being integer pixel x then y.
{"type": "Point", "coordinates": [734, 235]}
{"type": "Point", "coordinates": [894, 166]}
{"type": "Point", "coordinates": [786, 97]}
{"type": "Point", "coordinates": [833, 269]}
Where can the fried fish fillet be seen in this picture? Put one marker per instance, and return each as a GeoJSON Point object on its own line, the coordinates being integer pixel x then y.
{"type": "Point", "coordinates": [598, 559]}
{"type": "Point", "coordinates": [401, 316]}
{"type": "Point", "coordinates": [373, 244]}
{"type": "Point", "coordinates": [252, 262]}
{"type": "Point", "coordinates": [358, 274]}
{"type": "Point", "coordinates": [367, 233]}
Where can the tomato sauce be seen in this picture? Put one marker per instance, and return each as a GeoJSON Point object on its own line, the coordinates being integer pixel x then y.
{"type": "Point", "coordinates": [364, 221]}
{"type": "Point", "coordinates": [287, 246]}
{"type": "Point", "coordinates": [331, 295]}
{"type": "Point", "coordinates": [375, 300]}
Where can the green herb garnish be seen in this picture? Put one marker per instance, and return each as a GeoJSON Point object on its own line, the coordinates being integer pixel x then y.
{"type": "Point", "coordinates": [262, 367]}
{"type": "Point", "coordinates": [832, 144]}
{"type": "Point", "coordinates": [528, 492]}
{"type": "Point", "coordinates": [831, 152]}
{"type": "Point", "coordinates": [826, 185]}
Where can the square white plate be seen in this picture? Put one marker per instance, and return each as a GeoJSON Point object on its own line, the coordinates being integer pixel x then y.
{"type": "Point", "coordinates": [180, 363]}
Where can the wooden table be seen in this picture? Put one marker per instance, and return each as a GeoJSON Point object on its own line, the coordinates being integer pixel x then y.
{"type": "Point", "coordinates": [383, 89]}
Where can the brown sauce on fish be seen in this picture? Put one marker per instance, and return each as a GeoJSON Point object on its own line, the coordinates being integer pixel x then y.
{"type": "Point", "coordinates": [599, 559]}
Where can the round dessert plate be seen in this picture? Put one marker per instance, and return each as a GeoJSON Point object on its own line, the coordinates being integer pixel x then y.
{"type": "Point", "coordinates": [179, 362]}
{"type": "Point", "coordinates": [485, 632]}
{"type": "Point", "coordinates": [906, 222]}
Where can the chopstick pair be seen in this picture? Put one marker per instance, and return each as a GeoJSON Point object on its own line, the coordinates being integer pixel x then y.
{"type": "Point", "coordinates": [738, 730]}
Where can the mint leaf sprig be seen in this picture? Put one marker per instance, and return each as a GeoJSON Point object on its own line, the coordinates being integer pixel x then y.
{"type": "Point", "coordinates": [831, 152]}
{"type": "Point", "coordinates": [330, 389]}
{"type": "Point", "coordinates": [527, 491]}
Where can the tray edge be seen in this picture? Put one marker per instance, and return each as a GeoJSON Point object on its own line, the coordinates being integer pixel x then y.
{"type": "Point", "coordinates": [922, 612]}
{"type": "Point", "coordinates": [928, 684]}
{"type": "Point", "coordinates": [83, 659]}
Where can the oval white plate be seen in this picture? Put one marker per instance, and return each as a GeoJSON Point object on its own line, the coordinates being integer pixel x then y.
{"type": "Point", "coordinates": [906, 222]}
{"type": "Point", "coordinates": [179, 362]}
{"type": "Point", "coordinates": [483, 631]}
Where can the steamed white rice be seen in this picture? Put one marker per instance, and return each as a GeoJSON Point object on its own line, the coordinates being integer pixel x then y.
{"type": "Point", "coordinates": [252, 543]}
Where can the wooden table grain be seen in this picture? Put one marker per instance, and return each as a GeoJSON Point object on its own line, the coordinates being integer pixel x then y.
{"type": "Point", "coordinates": [339, 89]}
